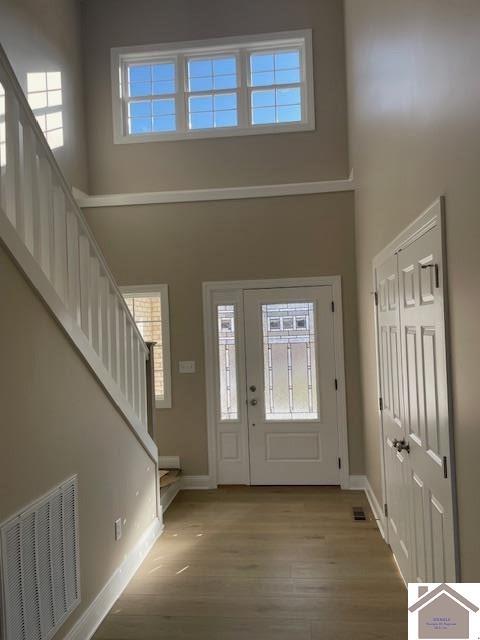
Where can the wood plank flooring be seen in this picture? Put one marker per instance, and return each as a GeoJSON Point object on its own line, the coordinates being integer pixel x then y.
{"type": "Point", "coordinates": [264, 563]}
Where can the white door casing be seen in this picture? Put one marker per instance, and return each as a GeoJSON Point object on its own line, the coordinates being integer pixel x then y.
{"type": "Point", "coordinates": [291, 395]}
{"type": "Point", "coordinates": [425, 487]}
{"type": "Point", "coordinates": [228, 433]}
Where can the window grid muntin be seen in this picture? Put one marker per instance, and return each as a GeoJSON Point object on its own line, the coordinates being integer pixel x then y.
{"type": "Point", "coordinates": [188, 93]}
{"type": "Point", "coordinates": [276, 50]}
{"type": "Point", "coordinates": [151, 63]}
{"type": "Point", "coordinates": [297, 40]}
{"type": "Point", "coordinates": [150, 97]}
{"type": "Point", "coordinates": [301, 85]}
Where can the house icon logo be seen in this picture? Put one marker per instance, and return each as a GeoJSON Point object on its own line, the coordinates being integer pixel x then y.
{"type": "Point", "coordinates": [442, 613]}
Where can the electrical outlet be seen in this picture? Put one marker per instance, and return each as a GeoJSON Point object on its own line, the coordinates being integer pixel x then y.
{"type": "Point", "coordinates": [118, 529]}
{"type": "Point", "coordinates": [186, 366]}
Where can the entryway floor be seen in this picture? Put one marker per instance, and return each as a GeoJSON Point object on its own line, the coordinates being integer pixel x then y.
{"type": "Point", "coordinates": [261, 563]}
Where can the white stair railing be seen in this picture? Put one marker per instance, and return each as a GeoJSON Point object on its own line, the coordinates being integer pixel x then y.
{"type": "Point", "coordinates": [45, 231]}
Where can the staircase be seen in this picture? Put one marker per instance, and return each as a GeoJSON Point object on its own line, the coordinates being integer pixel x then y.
{"type": "Point", "coordinates": [170, 481]}
{"type": "Point", "coordinates": [47, 235]}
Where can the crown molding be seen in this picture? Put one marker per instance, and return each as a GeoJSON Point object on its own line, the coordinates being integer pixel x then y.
{"type": "Point", "coordinates": [201, 195]}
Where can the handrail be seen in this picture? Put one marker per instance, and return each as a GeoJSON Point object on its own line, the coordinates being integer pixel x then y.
{"type": "Point", "coordinates": [47, 234]}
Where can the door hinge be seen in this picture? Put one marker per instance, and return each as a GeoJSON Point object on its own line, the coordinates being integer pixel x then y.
{"type": "Point", "coordinates": [333, 306]}
{"type": "Point", "coordinates": [385, 510]}
{"type": "Point", "coordinates": [375, 296]}
{"type": "Point", "coordinates": [339, 463]}
{"type": "Point", "coordinates": [380, 404]}
{"type": "Point", "coordinates": [437, 273]}
{"type": "Point", "coordinates": [445, 468]}
{"type": "Point", "coordinates": [336, 384]}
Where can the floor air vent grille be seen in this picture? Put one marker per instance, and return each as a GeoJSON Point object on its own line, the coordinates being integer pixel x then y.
{"type": "Point", "coordinates": [40, 565]}
{"type": "Point", "coordinates": [359, 513]}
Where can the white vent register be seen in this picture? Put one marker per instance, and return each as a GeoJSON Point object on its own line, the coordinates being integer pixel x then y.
{"type": "Point", "coordinates": [40, 565]}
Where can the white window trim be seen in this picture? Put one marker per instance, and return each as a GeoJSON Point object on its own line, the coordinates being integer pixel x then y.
{"type": "Point", "coordinates": [162, 289]}
{"type": "Point", "coordinates": [240, 46]}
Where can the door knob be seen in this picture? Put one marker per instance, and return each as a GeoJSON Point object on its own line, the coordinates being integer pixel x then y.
{"type": "Point", "coordinates": [401, 445]}
{"type": "Point", "coordinates": [253, 388]}
{"type": "Point", "coordinates": [253, 402]}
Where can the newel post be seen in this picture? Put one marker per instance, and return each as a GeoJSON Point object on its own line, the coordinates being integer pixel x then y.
{"type": "Point", "coordinates": [151, 413]}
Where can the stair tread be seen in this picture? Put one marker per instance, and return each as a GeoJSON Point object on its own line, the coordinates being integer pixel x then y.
{"type": "Point", "coordinates": [168, 476]}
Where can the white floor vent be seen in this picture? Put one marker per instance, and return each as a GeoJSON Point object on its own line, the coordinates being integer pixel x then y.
{"type": "Point", "coordinates": [40, 566]}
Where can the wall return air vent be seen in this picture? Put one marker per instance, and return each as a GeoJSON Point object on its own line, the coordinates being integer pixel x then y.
{"type": "Point", "coordinates": [40, 565]}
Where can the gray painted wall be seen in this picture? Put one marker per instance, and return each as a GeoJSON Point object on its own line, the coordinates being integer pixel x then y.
{"type": "Point", "coordinates": [42, 36]}
{"type": "Point", "coordinates": [220, 162]}
{"type": "Point", "coordinates": [414, 101]}
{"type": "Point", "coordinates": [186, 244]}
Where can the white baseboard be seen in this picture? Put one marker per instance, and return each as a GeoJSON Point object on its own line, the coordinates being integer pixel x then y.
{"type": "Point", "coordinates": [168, 494]}
{"type": "Point", "coordinates": [376, 508]}
{"type": "Point", "coordinates": [91, 619]}
{"type": "Point", "coordinates": [169, 462]}
{"type": "Point", "coordinates": [197, 482]}
{"type": "Point", "coordinates": [357, 482]}
{"type": "Point", "coordinates": [362, 483]}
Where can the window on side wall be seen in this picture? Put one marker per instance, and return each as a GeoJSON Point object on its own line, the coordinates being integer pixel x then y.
{"type": "Point", "coordinates": [149, 308]}
{"type": "Point", "coordinates": [221, 87]}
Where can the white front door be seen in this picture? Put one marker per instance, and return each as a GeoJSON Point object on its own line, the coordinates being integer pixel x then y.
{"type": "Point", "coordinates": [290, 386]}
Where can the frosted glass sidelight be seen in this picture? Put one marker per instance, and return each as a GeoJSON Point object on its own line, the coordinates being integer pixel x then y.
{"type": "Point", "coordinates": [227, 362]}
{"type": "Point", "coordinates": [290, 370]}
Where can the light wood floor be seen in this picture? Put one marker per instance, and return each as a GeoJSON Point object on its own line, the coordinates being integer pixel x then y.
{"type": "Point", "coordinates": [261, 564]}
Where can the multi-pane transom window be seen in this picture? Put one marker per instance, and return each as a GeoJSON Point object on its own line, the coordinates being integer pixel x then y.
{"type": "Point", "coordinates": [150, 102]}
{"type": "Point", "coordinates": [212, 96]}
{"type": "Point", "coordinates": [219, 87]}
{"type": "Point", "coordinates": [149, 309]}
{"type": "Point", "coordinates": [279, 74]}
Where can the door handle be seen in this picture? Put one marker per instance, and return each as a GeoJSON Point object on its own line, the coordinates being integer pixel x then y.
{"type": "Point", "coordinates": [401, 445]}
{"type": "Point", "coordinates": [253, 402]}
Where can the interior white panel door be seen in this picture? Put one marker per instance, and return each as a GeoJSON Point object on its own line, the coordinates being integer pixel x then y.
{"type": "Point", "coordinates": [291, 395]}
{"type": "Point", "coordinates": [426, 409]}
{"type": "Point", "coordinates": [390, 365]}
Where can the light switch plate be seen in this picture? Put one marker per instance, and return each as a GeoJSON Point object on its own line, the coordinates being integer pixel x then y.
{"type": "Point", "coordinates": [186, 366]}
{"type": "Point", "coordinates": [118, 529]}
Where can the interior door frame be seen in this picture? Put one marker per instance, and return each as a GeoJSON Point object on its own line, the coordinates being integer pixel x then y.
{"type": "Point", "coordinates": [433, 216]}
{"type": "Point", "coordinates": [230, 290]}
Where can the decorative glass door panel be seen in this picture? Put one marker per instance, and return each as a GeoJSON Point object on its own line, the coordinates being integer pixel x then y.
{"type": "Point", "coordinates": [227, 362]}
{"type": "Point", "coordinates": [289, 361]}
